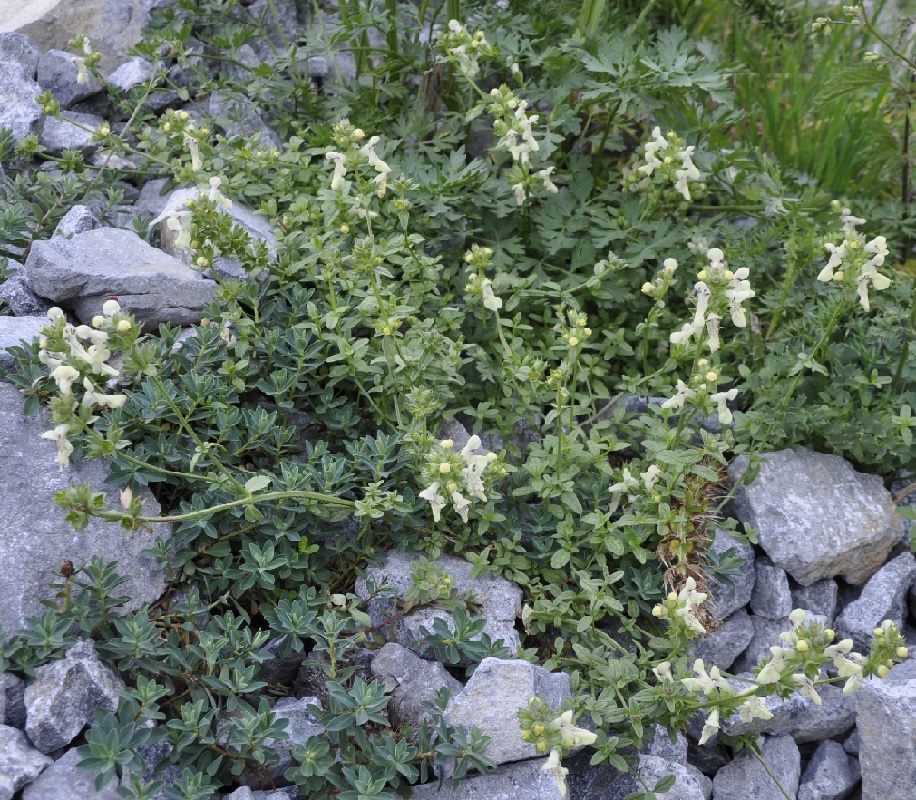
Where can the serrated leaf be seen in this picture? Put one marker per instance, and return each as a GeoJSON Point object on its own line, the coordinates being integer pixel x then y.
{"type": "Point", "coordinates": [853, 79]}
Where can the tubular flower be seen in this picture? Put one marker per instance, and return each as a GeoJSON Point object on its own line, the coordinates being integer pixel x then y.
{"type": "Point", "coordinates": [559, 772]}
{"type": "Point", "coordinates": [64, 448]}
{"type": "Point", "coordinates": [570, 735]}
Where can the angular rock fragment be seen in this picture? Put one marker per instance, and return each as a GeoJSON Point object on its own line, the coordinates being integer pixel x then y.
{"type": "Point", "coordinates": [494, 695]}
{"type": "Point", "coordinates": [58, 72]}
{"type": "Point", "coordinates": [61, 700]}
{"type": "Point", "coordinates": [69, 132]}
{"type": "Point", "coordinates": [746, 778]}
{"type": "Point", "coordinates": [63, 780]}
{"type": "Point", "coordinates": [20, 763]}
{"type": "Point", "coordinates": [18, 110]}
{"type": "Point", "coordinates": [817, 517]}
{"type": "Point", "coordinates": [830, 775]}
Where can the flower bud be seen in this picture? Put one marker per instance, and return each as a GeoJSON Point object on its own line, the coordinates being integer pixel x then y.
{"type": "Point", "coordinates": [359, 134]}
{"type": "Point", "coordinates": [123, 326]}
{"type": "Point", "coordinates": [445, 468]}
{"type": "Point", "coordinates": [839, 275]}
{"type": "Point", "coordinates": [647, 288]}
{"type": "Point", "coordinates": [446, 444]}
{"type": "Point", "coordinates": [573, 341]}
{"type": "Point", "coordinates": [882, 671]}
{"type": "Point", "coordinates": [702, 275]}
{"type": "Point", "coordinates": [712, 377]}
{"type": "Point", "coordinates": [98, 321]}
{"type": "Point", "coordinates": [801, 646]}
{"type": "Point", "coordinates": [902, 652]}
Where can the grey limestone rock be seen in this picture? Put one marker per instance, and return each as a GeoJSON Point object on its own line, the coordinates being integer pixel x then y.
{"type": "Point", "coordinates": [746, 779]}
{"type": "Point", "coordinates": [817, 517]}
{"type": "Point", "coordinates": [301, 726]}
{"type": "Point", "coordinates": [19, 48]}
{"type": "Point", "coordinates": [722, 647]}
{"type": "Point", "coordinates": [661, 746]}
{"type": "Point", "coordinates": [20, 763]}
{"type": "Point", "coordinates": [883, 597]}
{"type": "Point", "coordinates": [18, 110]}
{"type": "Point", "coordinates": [78, 219]}
{"type": "Point", "coordinates": [500, 600]}
{"type": "Point", "coordinates": [834, 717]}
{"type": "Point", "coordinates": [819, 598]}
{"type": "Point", "coordinates": [13, 330]}
{"type": "Point", "coordinates": [58, 72]}
{"type": "Point", "coordinates": [37, 537]}
{"type": "Point", "coordinates": [494, 695]}
{"type": "Point", "coordinates": [113, 26]}
{"type": "Point", "coordinates": [851, 745]}
{"type": "Point", "coordinates": [151, 200]}
{"type": "Point", "coordinates": [22, 301]}
{"type": "Point", "coordinates": [729, 599]}
{"type": "Point", "coordinates": [886, 723]}
{"type": "Point", "coordinates": [68, 132]}
{"type": "Point", "coordinates": [766, 634]}
{"type": "Point", "coordinates": [238, 116]}
{"type": "Point", "coordinates": [61, 700]}
{"type": "Point", "coordinates": [85, 270]}
{"type": "Point", "coordinates": [771, 597]}
{"type": "Point", "coordinates": [63, 780]}
{"type": "Point", "coordinates": [522, 781]}
{"type": "Point", "coordinates": [244, 793]}
{"type": "Point", "coordinates": [411, 681]}
{"type": "Point", "coordinates": [830, 775]}
{"type": "Point", "coordinates": [12, 700]}
{"type": "Point", "coordinates": [131, 73]}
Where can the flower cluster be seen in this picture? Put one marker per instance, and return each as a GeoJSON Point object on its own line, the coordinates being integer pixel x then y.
{"type": "Point", "coordinates": [573, 330]}
{"type": "Point", "coordinates": [87, 60]}
{"type": "Point", "coordinates": [463, 49]}
{"type": "Point", "coordinates": [77, 357]}
{"type": "Point", "coordinates": [680, 608]}
{"type": "Point", "coordinates": [541, 726]}
{"type": "Point", "coordinates": [461, 476]}
{"type": "Point", "coordinates": [515, 127]}
{"type": "Point", "coordinates": [855, 261]}
{"type": "Point", "coordinates": [659, 288]}
{"type": "Point", "coordinates": [718, 291]}
{"type": "Point", "coordinates": [667, 160]}
{"type": "Point", "coordinates": [356, 151]}
{"type": "Point", "coordinates": [477, 260]}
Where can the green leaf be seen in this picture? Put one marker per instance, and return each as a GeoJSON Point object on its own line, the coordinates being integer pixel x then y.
{"type": "Point", "coordinates": [257, 483]}
{"type": "Point", "coordinates": [847, 81]}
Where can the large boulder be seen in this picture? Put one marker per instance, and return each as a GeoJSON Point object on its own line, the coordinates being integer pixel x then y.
{"type": "Point", "coordinates": [14, 331]}
{"type": "Point", "coordinates": [90, 267]}
{"type": "Point", "coordinates": [817, 517]}
{"type": "Point", "coordinates": [62, 699]}
{"type": "Point", "coordinates": [112, 26]}
{"type": "Point", "coordinates": [18, 110]}
{"type": "Point", "coordinates": [37, 538]}
{"type": "Point", "coordinates": [748, 779]}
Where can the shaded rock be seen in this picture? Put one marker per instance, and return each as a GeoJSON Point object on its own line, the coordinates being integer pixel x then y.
{"type": "Point", "coordinates": [280, 669]}
{"type": "Point", "coordinates": [661, 746]}
{"type": "Point", "coordinates": [522, 781]}
{"type": "Point", "coordinates": [411, 681]}
{"type": "Point", "coordinates": [884, 597]}
{"type": "Point", "coordinates": [771, 597]}
{"type": "Point", "coordinates": [23, 302]}
{"type": "Point", "coordinates": [500, 600]}
{"type": "Point", "coordinates": [18, 48]}
{"type": "Point", "coordinates": [721, 647]}
{"type": "Point", "coordinates": [766, 634]}
{"type": "Point", "coordinates": [818, 517]}
{"type": "Point", "coordinates": [244, 793]}
{"type": "Point", "coordinates": [131, 73]}
{"type": "Point", "coordinates": [745, 777]}
{"type": "Point", "coordinates": [301, 726]}
{"type": "Point", "coordinates": [18, 110]}
{"type": "Point", "coordinates": [78, 219]}
{"type": "Point", "coordinates": [830, 775]}
{"type": "Point", "coordinates": [92, 266]}
{"type": "Point", "coordinates": [12, 700]}
{"type": "Point", "coordinates": [20, 763]}
{"type": "Point", "coordinates": [13, 330]}
{"type": "Point", "coordinates": [886, 723]}
{"type": "Point", "coordinates": [69, 132]}
{"type": "Point", "coordinates": [834, 717]}
{"type": "Point", "coordinates": [494, 695]}
{"type": "Point", "coordinates": [58, 72]}
{"type": "Point", "coordinates": [607, 783]}
{"type": "Point", "coordinates": [729, 599]}
{"type": "Point", "coordinates": [851, 745]}
{"type": "Point", "coordinates": [239, 116]}
{"type": "Point", "coordinates": [151, 200]}
{"type": "Point", "coordinates": [819, 598]}
{"type": "Point", "coordinates": [38, 539]}
{"type": "Point", "coordinates": [63, 780]}
{"type": "Point", "coordinates": [709, 758]}
{"type": "Point", "coordinates": [61, 700]}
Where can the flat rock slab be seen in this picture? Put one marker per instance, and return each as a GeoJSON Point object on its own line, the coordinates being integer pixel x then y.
{"type": "Point", "coordinates": [36, 537]}
{"type": "Point", "coordinates": [85, 270]}
{"type": "Point", "coordinates": [63, 780]}
{"type": "Point", "coordinates": [523, 781]}
{"type": "Point", "coordinates": [817, 517]}
{"type": "Point", "coordinates": [13, 331]}
{"type": "Point", "coordinates": [886, 723]}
